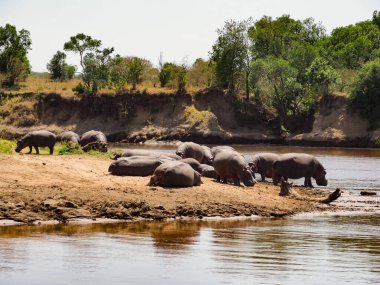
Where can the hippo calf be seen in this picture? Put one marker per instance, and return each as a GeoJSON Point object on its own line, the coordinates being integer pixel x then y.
{"type": "Point", "coordinates": [135, 166]}
{"type": "Point", "coordinates": [231, 164]}
{"type": "Point", "coordinates": [37, 139]}
{"type": "Point", "coordinates": [68, 136]}
{"type": "Point", "coordinates": [262, 163]}
{"type": "Point", "coordinates": [298, 165]}
{"type": "Point", "coordinates": [143, 152]}
{"type": "Point", "coordinates": [175, 174]}
{"type": "Point", "coordinates": [93, 140]}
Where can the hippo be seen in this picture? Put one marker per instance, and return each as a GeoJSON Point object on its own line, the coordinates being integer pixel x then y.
{"type": "Point", "coordinates": [231, 164]}
{"type": "Point", "coordinates": [262, 163]}
{"type": "Point", "coordinates": [175, 174]}
{"type": "Point", "coordinates": [214, 150]}
{"type": "Point", "coordinates": [208, 171]}
{"type": "Point", "coordinates": [37, 139]}
{"type": "Point", "coordinates": [68, 136]}
{"type": "Point", "coordinates": [298, 165]}
{"type": "Point", "coordinates": [93, 140]}
{"type": "Point", "coordinates": [193, 163]}
{"type": "Point", "coordinates": [207, 155]}
{"type": "Point", "coordinates": [135, 166]}
{"type": "Point", "coordinates": [143, 152]}
{"type": "Point", "coordinates": [190, 149]}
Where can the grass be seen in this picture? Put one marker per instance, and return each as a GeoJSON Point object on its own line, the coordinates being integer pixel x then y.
{"type": "Point", "coordinates": [36, 83]}
{"type": "Point", "coordinates": [60, 148]}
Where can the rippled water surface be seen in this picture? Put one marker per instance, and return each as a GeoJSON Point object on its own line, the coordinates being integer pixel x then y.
{"type": "Point", "coordinates": [347, 168]}
{"type": "Point", "coordinates": [314, 250]}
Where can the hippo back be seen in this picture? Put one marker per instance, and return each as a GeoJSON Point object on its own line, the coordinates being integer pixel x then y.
{"type": "Point", "coordinates": [36, 138]}
{"type": "Point", "coordinates": [143, 152]}
{"type": "Point", "coordinates": [92, 136]}
{"type": "Point", "coordinates": [175, 174]}
{"type": "Point", "coordinates": [69, 136]}
{"type": "Point", "coordinates": [193, 163]}
{"type": "Point", "coordinates": [190, 150]}
{"type": "Point", "coordinates": [135, 166]}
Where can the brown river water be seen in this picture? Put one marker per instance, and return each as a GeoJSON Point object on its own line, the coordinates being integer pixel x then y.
{"type": "Point", "coordinates": [305, 249]}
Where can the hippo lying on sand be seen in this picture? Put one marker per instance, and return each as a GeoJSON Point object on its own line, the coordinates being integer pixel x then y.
{"type": "Point", "coordinates": [262, 163]}
{"type": "Point", "coordinates": [37, 139]}
{"type": "Point", "coordinates": [298, 165]}
{"type": "Point", "coordinates": [175, 174]}
{"type": "Point", "coordinates": [143, 152]}
{"type": "Point", "coordinates": [135, 166]}
{"type": "Point", "coordinates": [231, 164]}
{"type": "Point", "coordinates": [93, 140]}
{"type": "Point", "coordinates": [204, 169]}
{"type": "Point", "coordinates": [68, 136]}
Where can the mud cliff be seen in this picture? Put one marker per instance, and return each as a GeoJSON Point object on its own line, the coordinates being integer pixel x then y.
{"type": "Point", "coordinates": [211, 116]}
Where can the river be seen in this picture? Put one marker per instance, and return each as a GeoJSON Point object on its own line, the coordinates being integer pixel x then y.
{"type": "Point", "coordinates": [305, 249]}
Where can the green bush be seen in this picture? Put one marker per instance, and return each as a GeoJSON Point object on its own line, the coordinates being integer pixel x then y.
{"type": "Point", "coordinates": [365, 97]}
{"type": "Point", "coordinates": [66, 148]}
{"type": "Point", "coordinates": [7, 147]}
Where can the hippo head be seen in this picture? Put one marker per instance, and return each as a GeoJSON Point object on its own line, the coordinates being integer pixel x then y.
{"type": "Point", "coordinates": [247, 177]}
{"type": "Point", "coordinates": [253, 168]}
{"type": "Point", "coordinates": [179, 153]}
{"type": "Point", "coordinates": [103, 147]}
{"type": "Point", "coordinates": [197, 179]}
{"type": "Point", "coordinates": [320, 176]}
{"type": "Point", "coordinates": [21, 143]}
{"type": "Point", "coordinates": [116, 156]}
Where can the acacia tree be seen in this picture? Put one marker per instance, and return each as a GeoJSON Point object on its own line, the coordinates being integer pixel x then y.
{"type": "Point", "coordinates": [231, 54]}
{"type": "Point", "coordinates": [14, 46]}
{"type": "Point", "coordinates": [93, 59]}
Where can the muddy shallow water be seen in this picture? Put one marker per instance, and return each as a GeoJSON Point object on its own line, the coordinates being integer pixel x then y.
{"type": "Point", "coordinates": [303, 250]}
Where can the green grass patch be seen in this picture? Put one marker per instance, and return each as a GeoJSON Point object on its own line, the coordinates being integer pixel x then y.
{"type": "Point", "coordinates": [7, 146]}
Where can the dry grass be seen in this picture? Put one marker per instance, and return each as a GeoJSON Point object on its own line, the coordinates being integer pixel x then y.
{"type": "Point", "coordinates": [43, 84]}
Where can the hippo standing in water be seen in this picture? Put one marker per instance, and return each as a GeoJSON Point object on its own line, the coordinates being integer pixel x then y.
{"type": "Point", "coordinates": [93, 140]}
{"type": "Point", "coordinates": [135, 165]}
{"type": "Point", "coordinates": [262, 163]}
{"type": "Point", "coordinates": [231, 164]}
{"type": "Point", "coordinates": [191, 150]}
{"type": "Point", "coordinates": [298, 165]}
{"type": "Point", "coordinates": [37, 139]}
{"type": "Point", "coordinates": [175, 174]}
{"type": "Point", "coordinates": [143, 152]}
{"type": "Point", "coordinates": [68, 136]}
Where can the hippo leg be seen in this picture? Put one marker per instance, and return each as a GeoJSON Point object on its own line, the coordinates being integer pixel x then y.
{"type": "Point", "coordinates": [308, 182]}
{"type": "Point", "coordinates": [51, 148]}
{"type": "Point", "coordinates": [262, 176]}
{"type": "Point", "coordinates": [36, 148]}
{"type": "Point", "coordinates": [276, 179]}
{"type": "Point", "coordinates": [224, 180]}
{"type": "Point", "coordinates": [30, 150]}
{"type": "Point", "coordinates": [236, 181]}
{"type": "Point", "coordinates": [218, 178]}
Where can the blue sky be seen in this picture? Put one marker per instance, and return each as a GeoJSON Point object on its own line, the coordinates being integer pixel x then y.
{"type": "Point", "coordinates": [182, 30]}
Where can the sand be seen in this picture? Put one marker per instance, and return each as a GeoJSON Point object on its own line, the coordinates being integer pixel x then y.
{"type": "Point", "coordinates": [62, 188]}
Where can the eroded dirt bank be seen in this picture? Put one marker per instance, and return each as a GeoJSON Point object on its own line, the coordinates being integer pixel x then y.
{"type": "Point", "coordinates": [47, 187]}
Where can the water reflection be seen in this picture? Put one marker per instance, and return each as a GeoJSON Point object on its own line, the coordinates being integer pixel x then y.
{"type": "Point", "coordinates": [318, 250]}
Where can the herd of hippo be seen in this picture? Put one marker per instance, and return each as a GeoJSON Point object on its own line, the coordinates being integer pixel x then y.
{"type": "Point", "coordinates": [190, 162]}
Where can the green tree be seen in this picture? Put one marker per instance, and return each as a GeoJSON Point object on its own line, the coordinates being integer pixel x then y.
{"type": "Point", "coordinates": [96, 69]}
{"type": "Point", "coordinates": [201, 73]}
{"type": "Point", "coordinates": [82, 44]}
{"type": "Point", "coordinates": [365, 96]}
{"type": "Point", "coordinates": [166, 74]}
{"type": "Point", "coordinates": [59, 69]}
{"type": "Point", "coordinates": [321, 74]}
{"type": "Point", "coordinates": [14, 46]}
{"type": "Point", "coordinates": [231, 54]}
{"type": "Point", "coordinates": [135, 69]}
{"type": "Point", "coordinates": [118, 73]}
{"type": "Point", "coordinates": [376, 18]}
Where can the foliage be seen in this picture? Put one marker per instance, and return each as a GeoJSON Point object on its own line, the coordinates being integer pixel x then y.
{"type": "Point", "coordinates": [59, 69]}
{"type": "Point", "coordinates": [93, 59]}
{"type": "Point", "coordinates": [166, 73]}
{"type": "Point", "coordinates": [365, 96]}
{"type": "Point", "coordinates": [135, 68]}
{"type": "Point", "coordinates": [231, 55]}
{"type": "Point", "coordinates": [65, 148]}
{"type": "Point", "coordinates": [14, 46]}
{"type": "Point", "coordinates": [201, 73]}
{"type": "Point", "coordinates": [352, 46]}
{"type": "Point", "coordinates": [321, 74]}
{"type": "Point", "coordinates": [173, 75]}
{"type": "Point", "coordinates": [7, 147]}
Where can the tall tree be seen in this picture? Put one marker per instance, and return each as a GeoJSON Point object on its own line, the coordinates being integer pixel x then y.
{"type": "Point", "coordinates": [14, 46]}
{"type": "Point", "coordinates": [231, 54]}
{"type": "Point", "coordinates": [58, 68]}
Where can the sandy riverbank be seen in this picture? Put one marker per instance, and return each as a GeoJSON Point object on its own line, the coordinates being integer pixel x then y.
{"type": "Point", "coordinates": [39, 188]}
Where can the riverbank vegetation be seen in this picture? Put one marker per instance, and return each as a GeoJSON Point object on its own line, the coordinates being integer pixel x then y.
{"type": "Point", "coordinates": [281, 64]}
